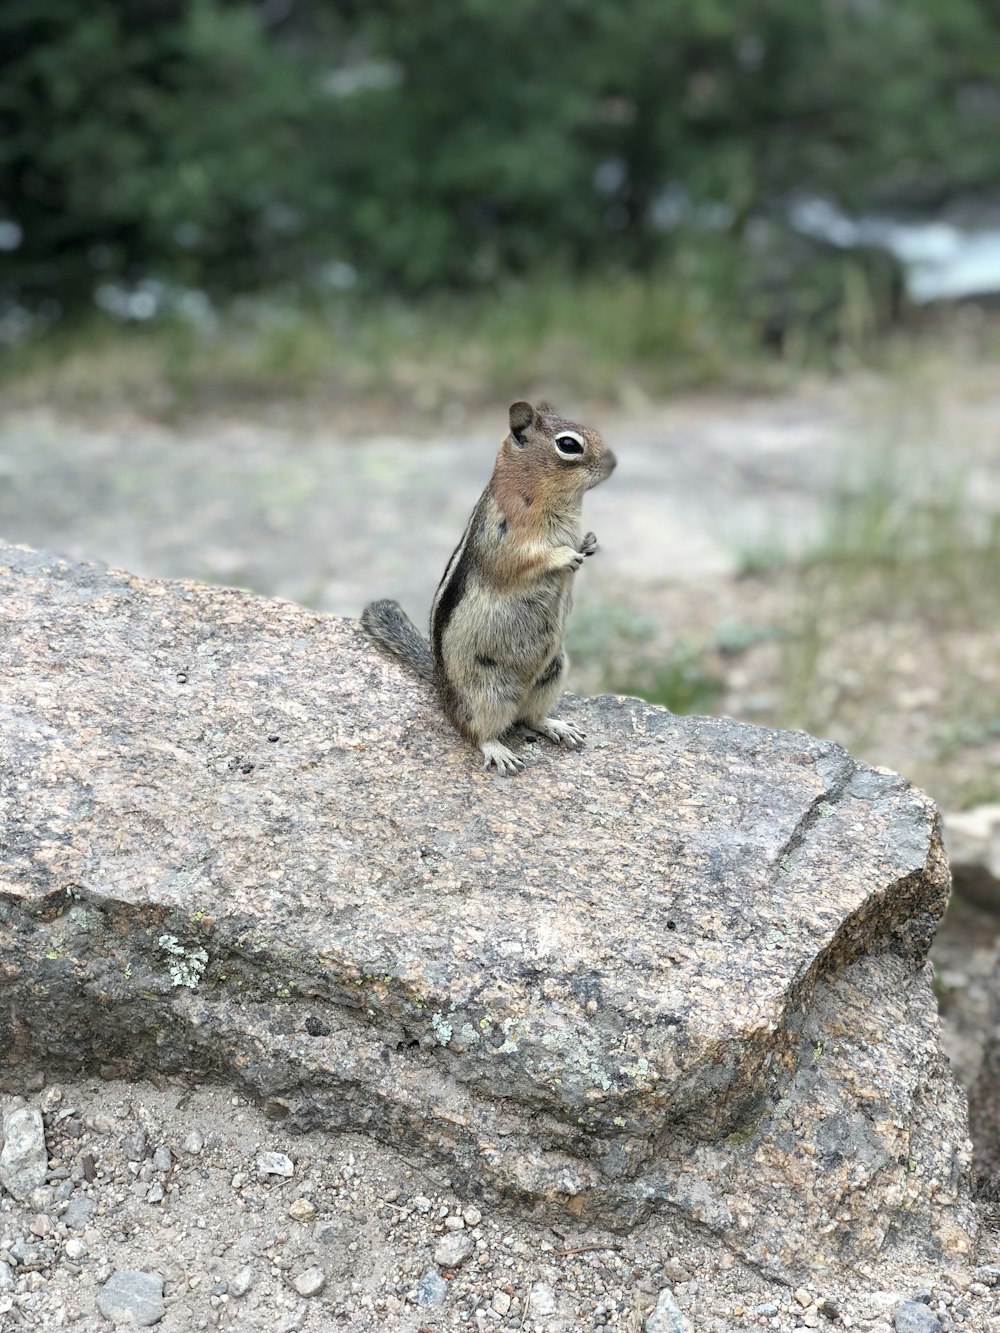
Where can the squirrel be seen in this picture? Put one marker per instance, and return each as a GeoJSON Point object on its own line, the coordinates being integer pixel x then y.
{"type": "Point", "coordinates": [499, 614]}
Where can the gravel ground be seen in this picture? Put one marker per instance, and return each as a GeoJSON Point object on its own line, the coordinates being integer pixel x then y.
{"type": "Point", "coordinates": [187, 1206]}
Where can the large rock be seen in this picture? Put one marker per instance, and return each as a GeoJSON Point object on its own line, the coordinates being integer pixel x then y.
{"type": "Point", "coordinates": [972, 841]}
{"type": "Point", "coordinates": [984, 1096]}
{"type": "Point", "coordinates": [23, 1160]}
{"type": "Point", "coordinates": [683, 968]}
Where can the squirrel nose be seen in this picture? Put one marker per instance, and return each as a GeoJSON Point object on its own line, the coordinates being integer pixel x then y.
{"type": "Point", "coordinates": [610, 463]}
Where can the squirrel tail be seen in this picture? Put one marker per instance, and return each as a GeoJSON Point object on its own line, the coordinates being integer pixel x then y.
{"type": "Point", "coordinates": [392, 628]}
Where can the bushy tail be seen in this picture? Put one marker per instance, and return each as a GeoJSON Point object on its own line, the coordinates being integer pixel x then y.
{"type": "Point", "coordinates": [392, 628]}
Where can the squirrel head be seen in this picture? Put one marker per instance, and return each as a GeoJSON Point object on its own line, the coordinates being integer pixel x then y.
{"type": "Point", "coordinates": [565, 457]}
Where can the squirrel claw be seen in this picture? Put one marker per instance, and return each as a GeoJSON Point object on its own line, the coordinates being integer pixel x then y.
{"type": "Point", "coordinates": [559, 733]}
{"type": "Point", "coordinates": [499, 757]}
{"type": "Point", "coordinates": [589, 544]}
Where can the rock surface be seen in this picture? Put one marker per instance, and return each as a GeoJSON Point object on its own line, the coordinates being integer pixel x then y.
{"type": "Point", "coordinates": [914, 1317]}
{"type": "Point", "coordinates": [683, 968]}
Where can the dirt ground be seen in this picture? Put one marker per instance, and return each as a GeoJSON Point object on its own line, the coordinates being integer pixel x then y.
{"type": "Point", "coordinates": [169, 1191]}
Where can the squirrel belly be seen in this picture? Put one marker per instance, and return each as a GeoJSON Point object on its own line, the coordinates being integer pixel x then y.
{"type": "Point", "coordinates": [499, 614]}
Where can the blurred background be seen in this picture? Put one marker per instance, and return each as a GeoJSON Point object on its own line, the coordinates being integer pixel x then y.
{"type": "Point", "coordinates": [272, 271]}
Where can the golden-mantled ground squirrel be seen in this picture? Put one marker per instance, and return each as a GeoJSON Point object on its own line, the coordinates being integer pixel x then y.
{"type": "Point", "coordinates": [499, 615]}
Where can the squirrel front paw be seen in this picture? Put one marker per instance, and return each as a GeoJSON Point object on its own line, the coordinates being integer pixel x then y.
{"type": "Point", "coordinates": [589, 544]}
{"type": "Point", "coordinates": [567, 558]}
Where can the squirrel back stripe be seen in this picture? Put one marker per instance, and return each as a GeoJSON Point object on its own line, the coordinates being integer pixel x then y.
{"type": "Point", "coordinates": [452, 586]}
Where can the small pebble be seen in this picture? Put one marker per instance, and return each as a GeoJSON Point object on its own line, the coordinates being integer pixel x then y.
{"type": "Point", "coordinates": [275, 1164]}
{"type": "Point", "coordinates": [242, 1282]}
{"type": "Point", "coordinates": [23, 1159]}
{"type": "Point", "coordinates": [129, 1297]}
{"type": "Point", "coordinates": [914, 1317]}
{"type": "Point", "coordinates": [79, 1211]}
{"type": "Point", "coordinates": [543, 1300]}
{"type": "Point", "coordinates": [162, 1160]}
{"type": "Point", "coordinates": [193, 1143]}
{"type": "Point", "coordinates": [134, 1145]}
{"type": "Point", "coordinates": [667, 1317]}
{"type": "Point", "coordinates": [76, 1248]}
{"type": "Point", "coordinates": [431, 1289]}
{"type": "Point", "coordinates": [453, 1249]}
{"type": "Point", "coordinates": [310, 1283]}
{"type": "Point", "coordinates": [501, 1303]}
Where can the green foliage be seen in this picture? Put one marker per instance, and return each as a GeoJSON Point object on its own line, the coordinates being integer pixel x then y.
{"type": "Point", "coordinates": [159, 141]}
{"type": "Point", "coordinates": [437, 146]}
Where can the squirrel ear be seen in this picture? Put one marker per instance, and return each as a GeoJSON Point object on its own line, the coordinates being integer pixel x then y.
{"type": "Point", "coordinates": [521, 417]}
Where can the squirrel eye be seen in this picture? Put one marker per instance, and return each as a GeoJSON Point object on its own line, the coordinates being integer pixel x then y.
{"type": "Point", "coordinates": [569, 444]}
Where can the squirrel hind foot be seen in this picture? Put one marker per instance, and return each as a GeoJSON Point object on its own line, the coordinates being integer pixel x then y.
{"type": "Point", "coordinates": [499, 757]}
{"type": "Point", "coordinates": [559, 733]}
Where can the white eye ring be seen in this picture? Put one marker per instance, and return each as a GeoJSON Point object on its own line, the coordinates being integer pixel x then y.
{"type": "Point", "coordinates": [570, 435]}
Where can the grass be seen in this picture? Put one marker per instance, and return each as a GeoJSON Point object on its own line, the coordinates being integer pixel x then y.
{"type": "Point", "coordinates": [893, 551]}
{"type": "Point", "coordinates": [682, 681]}
{"type": "Point", "coordinates": [619, 341]}
{"type": "Point", "coordinates": [621, 338]}
{"type": "Point", "coordinates": [616, 645]}
{"type": "Point", "coordinates": [891, 622]}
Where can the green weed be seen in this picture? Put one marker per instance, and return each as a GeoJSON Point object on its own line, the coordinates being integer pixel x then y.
{"type": "Point", "coordinates": [680, 680]}
{"type": "Point", "coordinates": [616, 644]}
